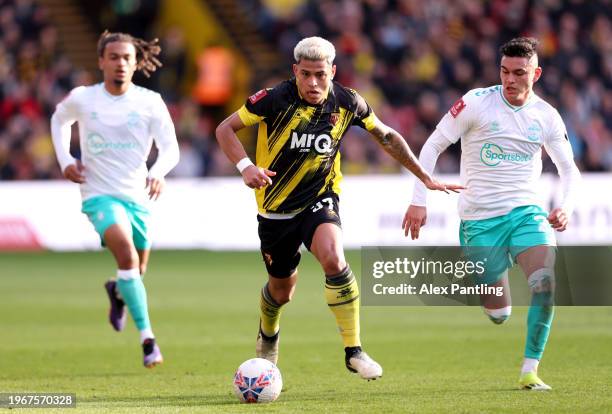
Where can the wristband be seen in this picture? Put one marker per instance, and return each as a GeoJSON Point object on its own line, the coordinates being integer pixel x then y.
{"type": "Point", "coordinates": [243, 163]}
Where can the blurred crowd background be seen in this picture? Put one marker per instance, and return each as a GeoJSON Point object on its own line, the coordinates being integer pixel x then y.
{"type": "Point", "coordinates": [410, 59]}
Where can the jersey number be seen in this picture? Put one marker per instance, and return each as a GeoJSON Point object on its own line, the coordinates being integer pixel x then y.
{"type": "Point", "coordinates": [319, 205]}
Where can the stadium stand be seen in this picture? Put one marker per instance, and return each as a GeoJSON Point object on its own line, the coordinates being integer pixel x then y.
{"type": "Point", "coordinates": [409, 59]}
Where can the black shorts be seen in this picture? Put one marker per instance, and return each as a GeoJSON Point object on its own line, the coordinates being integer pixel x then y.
{"type": "Point", "coordinates": [281, 239]}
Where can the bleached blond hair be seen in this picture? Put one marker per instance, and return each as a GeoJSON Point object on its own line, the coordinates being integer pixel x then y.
{"type": "Point", "coordinates": [315, 48]}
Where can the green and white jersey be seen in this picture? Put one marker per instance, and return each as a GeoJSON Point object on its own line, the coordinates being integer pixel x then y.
{"type": "Point", "coordinates": [501, 151]}
{"type": "Point", "coordinates": [116, 135]}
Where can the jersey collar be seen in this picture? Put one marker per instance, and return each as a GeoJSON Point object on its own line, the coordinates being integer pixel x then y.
{"type": "Point", "coordinates": [514, 108]}
{"type": "Point", "coordinates": [116, 97]}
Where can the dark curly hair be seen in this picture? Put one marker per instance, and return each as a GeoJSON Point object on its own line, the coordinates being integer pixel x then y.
{"type": "Point", "coordinates": [520, 47]}
{"type": "Point", "coordinates": [146, 52]}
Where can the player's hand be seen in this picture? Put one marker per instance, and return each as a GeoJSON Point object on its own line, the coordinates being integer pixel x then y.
{"type": "Point", "coordinates": [414, 219]}
{"type": "Point", "coordinates": [155, 186]}
{"type": "Point", "coordinates": [558, 219]}
{"type": "Point", "coordinates": [257, 177]}
{"type": "Point", "coordinates": [433, 184]}
{"type": "Point", "coordinates": [74, 172]}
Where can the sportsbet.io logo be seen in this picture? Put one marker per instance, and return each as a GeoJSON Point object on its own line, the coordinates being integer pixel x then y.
{"type": "Point", "coordinates": [322, 144]}
{"type": "Point", "coordinates": [492, 155]}
{"type": "Point", "coordinates": [97, 144]}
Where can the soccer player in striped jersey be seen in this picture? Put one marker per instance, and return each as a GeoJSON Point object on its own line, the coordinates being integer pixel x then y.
{"type": "Point", "coordinates": [297, 185]}
{"type": "Point", "coordinates": [118, 122]}
{"type": "Point", "coordinates": [502, 130]}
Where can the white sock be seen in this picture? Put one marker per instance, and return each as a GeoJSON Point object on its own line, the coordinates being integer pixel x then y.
{"type": "Point", "coordinates": [128, 274]}
{"type": "Point", "coordinates": [499, 313]}
{"type": "Point", "coordinates": [529, 365]}
{"type": "Point", "coordinates": [146, 334]}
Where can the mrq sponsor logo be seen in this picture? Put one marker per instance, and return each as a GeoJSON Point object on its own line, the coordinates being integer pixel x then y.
{"type": "Point", "coordinates": [322, 144]}
{"type": "Point", "coordinates": [492, 155]}
{"type": "Point", "coordinates": [97, 144]}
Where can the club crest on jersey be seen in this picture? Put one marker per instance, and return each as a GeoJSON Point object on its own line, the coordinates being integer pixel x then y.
{"type": "Point", "coordinates": [334, 117]}
{"type": "Point", "coordinates": [457, 107]}
{"type": "Point", "coordinates": [257, 96]}
{"type": "Point", "coordinates": [534, 132]}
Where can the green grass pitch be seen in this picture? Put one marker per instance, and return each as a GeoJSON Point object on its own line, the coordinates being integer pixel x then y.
{"type": "Point", "coordinates": [54, 337]}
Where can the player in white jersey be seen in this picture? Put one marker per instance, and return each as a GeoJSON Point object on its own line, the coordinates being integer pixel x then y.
{"type": "Point", "coordinates": [502, 130]}
{"type": "Point", "coordinates": [118, 122]}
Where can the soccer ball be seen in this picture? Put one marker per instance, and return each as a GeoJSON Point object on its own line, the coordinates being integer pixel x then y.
{"type": "Point", "coordinates": [257, 380]}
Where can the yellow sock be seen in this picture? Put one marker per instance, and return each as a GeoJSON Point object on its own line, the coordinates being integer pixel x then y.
{"type": "Point", "coordinates": [270, 312]}
{"type": "Point", "coordinates": [342, 294]}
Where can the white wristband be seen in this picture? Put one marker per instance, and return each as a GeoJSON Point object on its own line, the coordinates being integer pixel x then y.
{"type": "Point", "coordinates": [243, 163]}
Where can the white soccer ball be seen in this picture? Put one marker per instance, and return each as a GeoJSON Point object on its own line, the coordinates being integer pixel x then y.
{"type": "Point", "coordinates": [257, 380]}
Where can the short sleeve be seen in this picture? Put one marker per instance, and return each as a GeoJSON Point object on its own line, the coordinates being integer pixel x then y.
{"type": "Point", "coordinates": [364, 115]}
{"type": "Point", "coordinates": [257, 107]}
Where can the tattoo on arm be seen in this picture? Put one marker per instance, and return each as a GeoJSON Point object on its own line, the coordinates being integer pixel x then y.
{"type": "Point", "coordinates": [395, 145]}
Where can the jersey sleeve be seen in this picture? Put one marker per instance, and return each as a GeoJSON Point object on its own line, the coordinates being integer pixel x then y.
{"type": "Point", "coordinates": [66, 113]}
{"type": "Point", "coordinates": [162, 130]}
{"type": "Point", "coordinates": [557, 145]}
{"type": "Point", "coordinates": [364, 115]}
{"type": "Point", "coordinates": [257, 107]}
{"type": "Point", "coordinates": [460, 118]}
{"type": "Point", "coordinates": [435, 145]}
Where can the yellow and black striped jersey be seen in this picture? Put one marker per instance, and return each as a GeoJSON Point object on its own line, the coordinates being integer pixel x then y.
{"type": "Point", "coordinates": [301, 142]}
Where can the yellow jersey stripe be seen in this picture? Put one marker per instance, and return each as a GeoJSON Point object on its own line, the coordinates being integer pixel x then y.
{"type": "Point", "coordinates": [247, 117]}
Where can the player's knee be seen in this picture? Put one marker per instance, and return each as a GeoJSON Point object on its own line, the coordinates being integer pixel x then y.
{"type": "Point", "coordinates": [542, 286]}
{"type": "Point", "coordinates": [333, 263]}
{"type": "Point", "coordinates": [542, 280]}
{"type": "Point", "coordinates": [125, 254]}
{"type": "Point", "coordinates": [127, 260]}
{"type": "Point", "coordinates": [283, 295]}
{"type": "Point", "coordinates": [499, 316]}
{"type": "Point", "coordinates": [282, 290]}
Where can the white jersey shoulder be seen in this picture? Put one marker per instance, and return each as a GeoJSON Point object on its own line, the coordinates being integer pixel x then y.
{"type": "Point", "coordinates": [466, 112]}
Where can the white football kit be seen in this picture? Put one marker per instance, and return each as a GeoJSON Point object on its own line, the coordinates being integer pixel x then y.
{"type": "Point", "coordinates": [116, 135]}
{"type": "Point", "coordinates": [501, 155]}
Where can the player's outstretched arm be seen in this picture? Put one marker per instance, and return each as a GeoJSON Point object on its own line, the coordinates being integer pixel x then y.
{"type": "Point", "coordinates": [395, 145]}
{"type": "Point", "coordinates": [416, 214]}
{"type": "Point", "coordinates": [253, 176]}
